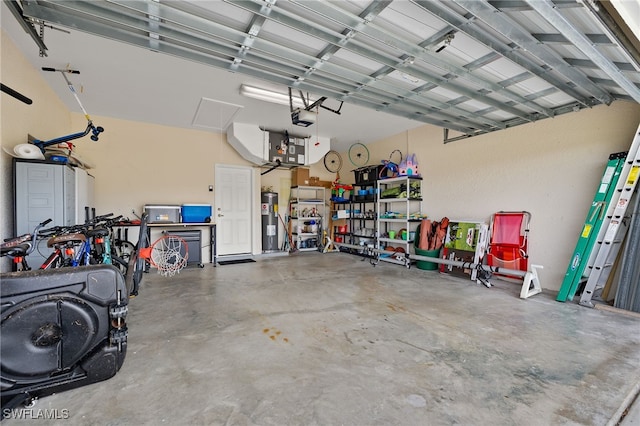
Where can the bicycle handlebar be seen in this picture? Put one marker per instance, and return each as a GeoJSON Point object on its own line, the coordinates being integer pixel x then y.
{"type": "Point", "coordinates": [26, 238]}
{"type": "Point", "coordinates": [106, 219]}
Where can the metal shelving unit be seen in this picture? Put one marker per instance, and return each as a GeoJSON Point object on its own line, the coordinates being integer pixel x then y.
{"type": "Point", "coordinates": [363, 217]}
{"type": "Point", "coordinates": [340, 227]}
{"type": "Point", "coordinates": [353, 221]}
{"type": "Point", "coordinates": [397, 212]}
{"type": "Point", "coordinates": [307, 210]}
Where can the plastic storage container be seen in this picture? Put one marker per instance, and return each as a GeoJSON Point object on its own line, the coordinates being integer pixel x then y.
{"type": "Point", "coordinates": [368, 175]}
{"type": "Point", "coordinates": [162, 213]}
{"type": "Point", "coordinates": [196, 213]}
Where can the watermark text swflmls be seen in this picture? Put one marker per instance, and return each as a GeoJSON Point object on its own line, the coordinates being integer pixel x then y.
{"type": "Point", "coordinates": [36, 413]}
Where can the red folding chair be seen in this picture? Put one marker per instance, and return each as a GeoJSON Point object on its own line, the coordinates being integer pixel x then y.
{"type": "Point", "coordinates": [508, 243]}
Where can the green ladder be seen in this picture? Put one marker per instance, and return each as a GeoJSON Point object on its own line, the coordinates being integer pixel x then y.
{"type": "Point", "coordinates": [592, 227]}
{"type": "Point", "coordinates": [616, 229]}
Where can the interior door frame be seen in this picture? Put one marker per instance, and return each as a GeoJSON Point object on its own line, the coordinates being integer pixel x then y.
{"type": "Point", "coordinates": [252, 202]}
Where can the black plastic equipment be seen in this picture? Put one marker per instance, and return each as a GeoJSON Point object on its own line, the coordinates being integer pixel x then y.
{"type": "Point", "coordinates": [61, 329]}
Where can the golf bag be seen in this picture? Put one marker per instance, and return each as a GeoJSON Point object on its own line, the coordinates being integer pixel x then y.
{"type": "Point", "coordinates": [61, 329]}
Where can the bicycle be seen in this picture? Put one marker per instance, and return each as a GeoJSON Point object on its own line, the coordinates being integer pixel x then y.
{"type": "Point", "coordinates": [19, 248]}
{"type": "Point", "coordinates": [70, 246]}
{"type": "Point", "coordinates": [103, 251]}
{"type": "Point", "coordinates": [122, 247]}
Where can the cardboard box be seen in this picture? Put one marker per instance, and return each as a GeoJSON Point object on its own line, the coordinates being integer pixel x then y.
{"type": "Point", "coordinates": [300, 176]}
{"type": "Point", "coordinates": [460, 256]}
{"type": "Point", "coordinates": [462, 235]}
{"type": "Point", "coordinates": [466, 236]}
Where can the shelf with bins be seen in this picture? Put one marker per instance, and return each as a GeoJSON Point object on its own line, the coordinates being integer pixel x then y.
{"type": "Point", "coordinates": [340, 211]}
{"type": "Point", "coordinates": [307, 211]}
{"type": "Point", "coordinates": [340, 214]}
{"type": "Point", "coordinates": [399, 209]}
{"type": "Point", "coordinates": [363, 217]}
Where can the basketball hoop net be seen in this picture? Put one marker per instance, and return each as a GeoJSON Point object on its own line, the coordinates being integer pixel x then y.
{"type": "Point", "coordinates": [168, 254]}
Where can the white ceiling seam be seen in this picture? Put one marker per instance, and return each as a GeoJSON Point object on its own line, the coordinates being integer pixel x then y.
{"type": "Point", "coordinates": [506, 62]}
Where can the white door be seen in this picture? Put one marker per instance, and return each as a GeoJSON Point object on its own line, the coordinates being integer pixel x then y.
{"type": "Point", "coordinates": [233, 215]}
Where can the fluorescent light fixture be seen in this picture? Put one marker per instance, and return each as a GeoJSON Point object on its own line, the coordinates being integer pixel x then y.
{"type": "Point", "coordinates": [272, 96]}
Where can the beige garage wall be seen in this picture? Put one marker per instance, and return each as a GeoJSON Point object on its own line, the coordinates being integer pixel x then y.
{"type": "Point", "coordinates": [549, 168]}
{"type": "Point", "coordinates": [46, 118]}
{"type": "Point", "coordinates": [139, 163]}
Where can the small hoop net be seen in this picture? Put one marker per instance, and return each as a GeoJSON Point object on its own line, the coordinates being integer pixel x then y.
{"type": "Point", "coordinates": [168, 254]}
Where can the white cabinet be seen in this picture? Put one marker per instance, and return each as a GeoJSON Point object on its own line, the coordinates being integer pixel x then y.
{"type": "Point", "coordinates": [399, 209]}
{"type": "Point", "coordinates": [307, 211]}
{"type": "Point", "coordinates": [43, 190]}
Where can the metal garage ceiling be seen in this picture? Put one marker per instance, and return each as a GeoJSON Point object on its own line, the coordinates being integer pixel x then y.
{"type": "Point", "coordinates": [470, 66]}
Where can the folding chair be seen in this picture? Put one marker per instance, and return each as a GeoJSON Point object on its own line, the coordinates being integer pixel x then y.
{"type": "Point", "coordinates": [508, 243]}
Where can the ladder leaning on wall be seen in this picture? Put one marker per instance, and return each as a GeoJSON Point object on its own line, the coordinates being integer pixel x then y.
{"type": "Point", "coordinates": [594, 257]}
{"type": "Point", "coordinates": [591, 230]}
{"type": "Point", "coordinates": [618, 224]}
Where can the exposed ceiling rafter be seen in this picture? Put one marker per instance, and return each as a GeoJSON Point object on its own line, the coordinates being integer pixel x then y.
{"type": "Point", "coordinates": [506, 63]}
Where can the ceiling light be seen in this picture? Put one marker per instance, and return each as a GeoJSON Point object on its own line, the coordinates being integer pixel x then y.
{"type": "Point", "coordinates": [410, 78]}
{"type": "Point", "coordinates": [272, 96]}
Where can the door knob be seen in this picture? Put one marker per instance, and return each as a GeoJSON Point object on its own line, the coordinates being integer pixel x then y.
{"type": "Point", "coordinates": [220, 215]}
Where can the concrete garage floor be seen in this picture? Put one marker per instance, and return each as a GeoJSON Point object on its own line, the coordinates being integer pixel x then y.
{"type": "Point", "coordinates": [313, 339]}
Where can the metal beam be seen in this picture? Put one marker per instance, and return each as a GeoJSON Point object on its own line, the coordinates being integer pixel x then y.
{"type": "Point", "coordinates": [386, 37]}
{"type": "Point", "coordinates": [547, 10]}
{"type": "Point", "coordinates": [16, 10]}
{"type": "Point", "coordinates": [374, 82]}
{"type": "Point", "coordinates": [513, 31]}
{"type": "Point", "coordinates": [587, 63]}
{"type": "Point", "coordinates": [561, 39]}
{"type": "Point", "coordinates": [467, 26]}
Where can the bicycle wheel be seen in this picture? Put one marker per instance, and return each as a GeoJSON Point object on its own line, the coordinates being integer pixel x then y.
{"type": "Point", "coordinates": [134, 274]}
{"type": "Point", "coordinates": [358, 154]}
{"type": "Point", "coordinates": [121, 264]}
{"type": "Point", "coordinates": [332, 161]}
{"type": "Point", "coordinates": [123, 249]}
{"type": "Point", "coordinates": [136, 266]}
